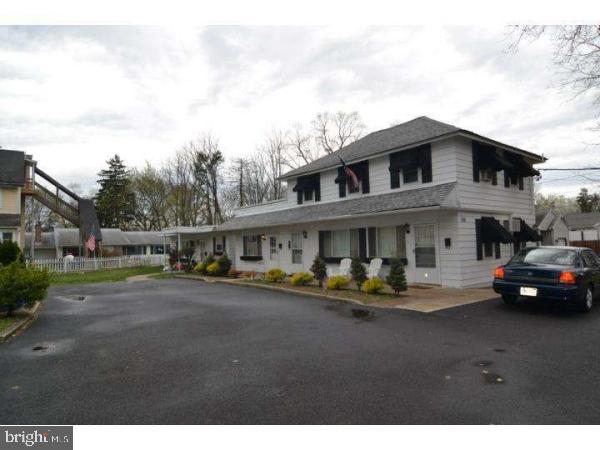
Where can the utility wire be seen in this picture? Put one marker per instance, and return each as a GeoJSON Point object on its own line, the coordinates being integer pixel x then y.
{"type": "Point", "coordinates": [578, 168]}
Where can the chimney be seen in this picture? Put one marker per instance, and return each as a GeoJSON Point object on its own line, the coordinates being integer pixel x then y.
{"type": "Point", "coordinates": [38, 233]}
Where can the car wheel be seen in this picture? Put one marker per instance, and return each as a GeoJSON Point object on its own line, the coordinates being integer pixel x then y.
{"type": "Point", "coordinates": [588, 300]}
{"type": "Point", "coordinates": [509, 299]}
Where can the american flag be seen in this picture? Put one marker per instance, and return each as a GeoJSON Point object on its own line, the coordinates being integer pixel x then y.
{"type": "Point", "coordinates": [350, 175]}
{"type": "Point", "coordinates": [90, 244]}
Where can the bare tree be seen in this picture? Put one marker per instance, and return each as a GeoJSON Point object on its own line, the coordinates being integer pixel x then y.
{"type": "Point", "coordinates": [334, 131]}
{"type": "Point", "coordinates": [274, 154]}
{"type": "Point", "coordinates": [576, 52]}
{"type": "Point", "coordinates": [208, 160]}
{"type": "Point", "coordinates": [302, 148]}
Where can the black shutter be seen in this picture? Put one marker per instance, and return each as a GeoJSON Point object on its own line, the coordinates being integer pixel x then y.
{"type": "Point", "coordinates": [372, 242]}
{"type": "Point", "coordinates": [244, 245]}
{"type": "Point", "coordinates": [478, 239]}
{"type": "Point", "coordinates": [224, 251]}
{"type": "Point", "coordinates": [365, 177]}
{"type": "Point", "coordinates": [497, 249]}
{"type": "Point", "coordinates": [299, 193]}
{"type": "Point", "coordinates": [495, 178]}
{"type": "Point", "coordinates": [475, 153]}
{"type": "Point", "coordinates": [322, 244]}
{"type": "Point", "coordinates": [426, 171]}
{"type": "Point", "coordinates": [259, 244]}
{"type": "Point", "coordinates": [506, 179]}
{"type": "Point", "coordinates": [317, 187]}
{"type": "Point", "coordinates": [341, 182]}
{"type": "Point", "coordinates": [214, 245]}
{"type": "Point", "coordinates": [521, 187]}
{"type": "Point", "coordinates": [362, 243]}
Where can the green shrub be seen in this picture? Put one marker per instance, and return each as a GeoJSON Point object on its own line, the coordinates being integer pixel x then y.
{"type": "Point", "coordinates": [396, 278]}
{"type": "Point", "coordinates": [337, 282]}
{"type": "Point", "coordinates": [213, 269]}
{"type": "Point", "coordinates": [373, 285]}
{"type": "Point", "coordinates": [319, 269]}
{"type": "Point", "coordinates": [358, 272]}
{"type": "Point", "coordinates": [9, 253]}
{"type": "Point", "coordinates": [275, 275]}
{"type": "Point", "coordinates": [209, 260]}
{"type": "Point", "coordinates": [224, 265]}
{"type": "Point", "coordinates": [20, 285]}
{"type": "Point", "coordinates": [301, 279]}
{"type": "Point", "coordinates": [200, 268]}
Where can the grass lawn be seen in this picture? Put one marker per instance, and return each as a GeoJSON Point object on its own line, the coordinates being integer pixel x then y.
{"type": "Point", "coordinates": [100, 276]}
{"type": "Point", "coordinates": [6, 322]}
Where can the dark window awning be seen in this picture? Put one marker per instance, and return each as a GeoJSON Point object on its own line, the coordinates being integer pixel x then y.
{"type": "Point", "coordinates": [492, 231]}
{"type": "Point", "coordinates": [307, 183]}
{"type": "Point", "coordinates": [527, 234]}
{"type": "Point", "coordinates": [489, 157]}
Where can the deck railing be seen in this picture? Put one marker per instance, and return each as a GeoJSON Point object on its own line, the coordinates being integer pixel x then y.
{"type": "Point", "coordinates": [65, 265]}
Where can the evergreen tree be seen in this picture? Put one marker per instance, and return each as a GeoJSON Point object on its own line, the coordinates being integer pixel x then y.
{"type": "Point", "coordinates": [319, 270]}
{"type": "Point", "coordinates": [358, 272]}
{"type": "Point", "coordinates": [115, 200]}
{"type": "Point", "coordinates": [396, 278]}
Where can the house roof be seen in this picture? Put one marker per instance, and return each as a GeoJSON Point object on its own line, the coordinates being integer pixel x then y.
{"type": "Point", "coordinates": [47, 240]}
{"type": "Point", "coordinates": [69, 237]}
{"type": "Point", "coordinates": [411, 133]}
{"type": "Point", "coordinates": [144, 237]}
{"type": "Point", "coordinates": [395, 201]}
{"type": "Point", "coordinates": [576, 221]}
{"type": "Point", "coordinates": [12, 168]}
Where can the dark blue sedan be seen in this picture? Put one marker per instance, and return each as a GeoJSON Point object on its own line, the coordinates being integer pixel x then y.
{"type": "Point", "coordinates": [568, 274]}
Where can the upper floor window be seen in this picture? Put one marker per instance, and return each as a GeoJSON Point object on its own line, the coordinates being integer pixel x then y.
{"type": "Point", "coordinates": [361, 171]}
{"type": "Point", "coordinates": [408, 164]}
{"type": "Point", "coordinates": [308, 187]}
{"type": "Point", "coordinates": [489, 160]}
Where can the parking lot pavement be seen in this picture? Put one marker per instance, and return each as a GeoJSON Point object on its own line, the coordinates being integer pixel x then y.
{"type": "Point", "coordinates": [180, 351]}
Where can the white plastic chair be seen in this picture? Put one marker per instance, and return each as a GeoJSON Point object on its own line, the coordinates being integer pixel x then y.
{"type": "Point", "coordinates": [344, 268]}
{"type": "Point", "coordinates": [374, 267]}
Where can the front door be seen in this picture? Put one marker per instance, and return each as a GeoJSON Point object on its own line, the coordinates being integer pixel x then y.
{"type": "Point", "coordinates": [273, 256]}
{"type": "Point", "coordinates": [426, 270]}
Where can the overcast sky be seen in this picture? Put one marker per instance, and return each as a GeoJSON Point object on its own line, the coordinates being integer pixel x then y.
{"type": "Point", "coordinates": [74, 96]}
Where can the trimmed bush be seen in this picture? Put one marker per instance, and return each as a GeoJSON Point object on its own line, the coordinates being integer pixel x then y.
{"type": "Point", "coordinates": [358, 272]}
{"type": "Point", "coordinates": [213, 269]}
{"type": "Point", "coordinates": [337, 282]}
{"type": "Point", "coordinates": [275, 275]}
{"type": "Point", "coordinates": [224, 265]}
{"type": "Point", "coordinates": [396, 278]}
{"type": "Point", "coordinates": [373, 285]}
{"type": "Point", "coordinates": [200, 268]}
{"type": "Point", "coordinates": [20, 286]}
{"type": "Point", "coordinates": [209, 260]}
{"type": "Point", "coordinates": [301, 279]}
{"type": "Point", "coordinates": [9, 253]}
{"type": "Point", "coordinates": [319, 269]}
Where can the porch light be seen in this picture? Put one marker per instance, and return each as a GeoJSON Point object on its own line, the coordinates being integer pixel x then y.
{"type": "Point", "coordinates": [263, 237]}
{"type": "Point", "coordinates": [304, 234]}
{"type": "Point", "coordinates": [407, 226]}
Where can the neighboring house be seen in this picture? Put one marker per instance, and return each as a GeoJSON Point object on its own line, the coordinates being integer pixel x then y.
{"type": "Point", "coordinates": [12, 180]}
{"type": "Point", "coordinates": [451, 203]}
{"type": "Point", "coordinates": [583, 226]}
{"type": "Point", "coordinates": [62, 241]}
{"type": "Point", "coordinates": [552, 228]}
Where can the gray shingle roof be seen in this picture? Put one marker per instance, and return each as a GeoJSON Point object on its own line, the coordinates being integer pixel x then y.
{"type": "Point", "coordinates": [582, 220]}
{"type": "Point", "coordinates": [12, 168]}
{"type": "Point", "coordinates": [47, 240]}
{"type": "Point", "coordinates": [411, 133]}
{"type": "Point", "coordinates": [395, 201]}
{"type": "Point", "coordinates": [144, 237]}
{"type": "Point", "coordinates": [69, 237]}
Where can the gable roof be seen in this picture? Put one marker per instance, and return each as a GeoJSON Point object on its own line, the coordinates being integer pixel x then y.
{"type": "Point", "coordinates": [69, 237]}
{"type": "Point", "coordinates": [47, 240]}
{"type": "Point", "coordinates": [412, 133]}
{"type": "Point", "coordinates": [577, 221]}
{"type": "Point", "coordinates": [394, 201]}
{"type": "Point", "coordinates": [12, 168]}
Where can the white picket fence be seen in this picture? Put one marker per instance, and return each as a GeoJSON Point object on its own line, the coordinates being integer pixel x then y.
{"type": "Point", "coordinates": [65, 265]}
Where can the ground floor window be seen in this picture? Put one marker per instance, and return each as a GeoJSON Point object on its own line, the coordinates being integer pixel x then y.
{"type": "Point", "coordinates": [387, 242]}
{"type": "Point", "coordinates": [340, 243]}
{"type": "Point", "coordinates": [272, 248]}
{"type": "Point", "coordinates": [252, 245]}
{"type": "Point", "coordinates": [6, 236]}
{"type": "Point", "coordinates": [296, 248]}
{"type": "Point", "coordinates": [424, 246]}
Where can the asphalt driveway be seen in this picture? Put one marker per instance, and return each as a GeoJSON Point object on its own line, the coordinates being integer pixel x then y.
{"type": "Point", "coordinates": [182, 351]}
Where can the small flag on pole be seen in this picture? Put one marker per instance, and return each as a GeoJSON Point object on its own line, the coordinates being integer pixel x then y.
{"type": "Point", "coordinates": [350, 174]}
{"type": "Point", "coordinates": [90, 244]}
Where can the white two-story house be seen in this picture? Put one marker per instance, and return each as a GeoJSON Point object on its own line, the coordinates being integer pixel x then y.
{"type": "Point", "coordinates": [451, 203]}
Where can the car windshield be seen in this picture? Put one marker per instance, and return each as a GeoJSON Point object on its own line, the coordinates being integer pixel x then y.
{"type": "Point", "coordinates": [558, 256]}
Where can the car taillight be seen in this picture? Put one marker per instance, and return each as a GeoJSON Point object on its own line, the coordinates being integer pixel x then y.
{"type": "Point", "coordinates": [567, 278]}
{"type": "Point", "coordinates": [499, 272]}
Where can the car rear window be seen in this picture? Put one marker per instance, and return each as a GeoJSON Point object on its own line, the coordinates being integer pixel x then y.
{"type": "Point", "coordinates": [558, 256]}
